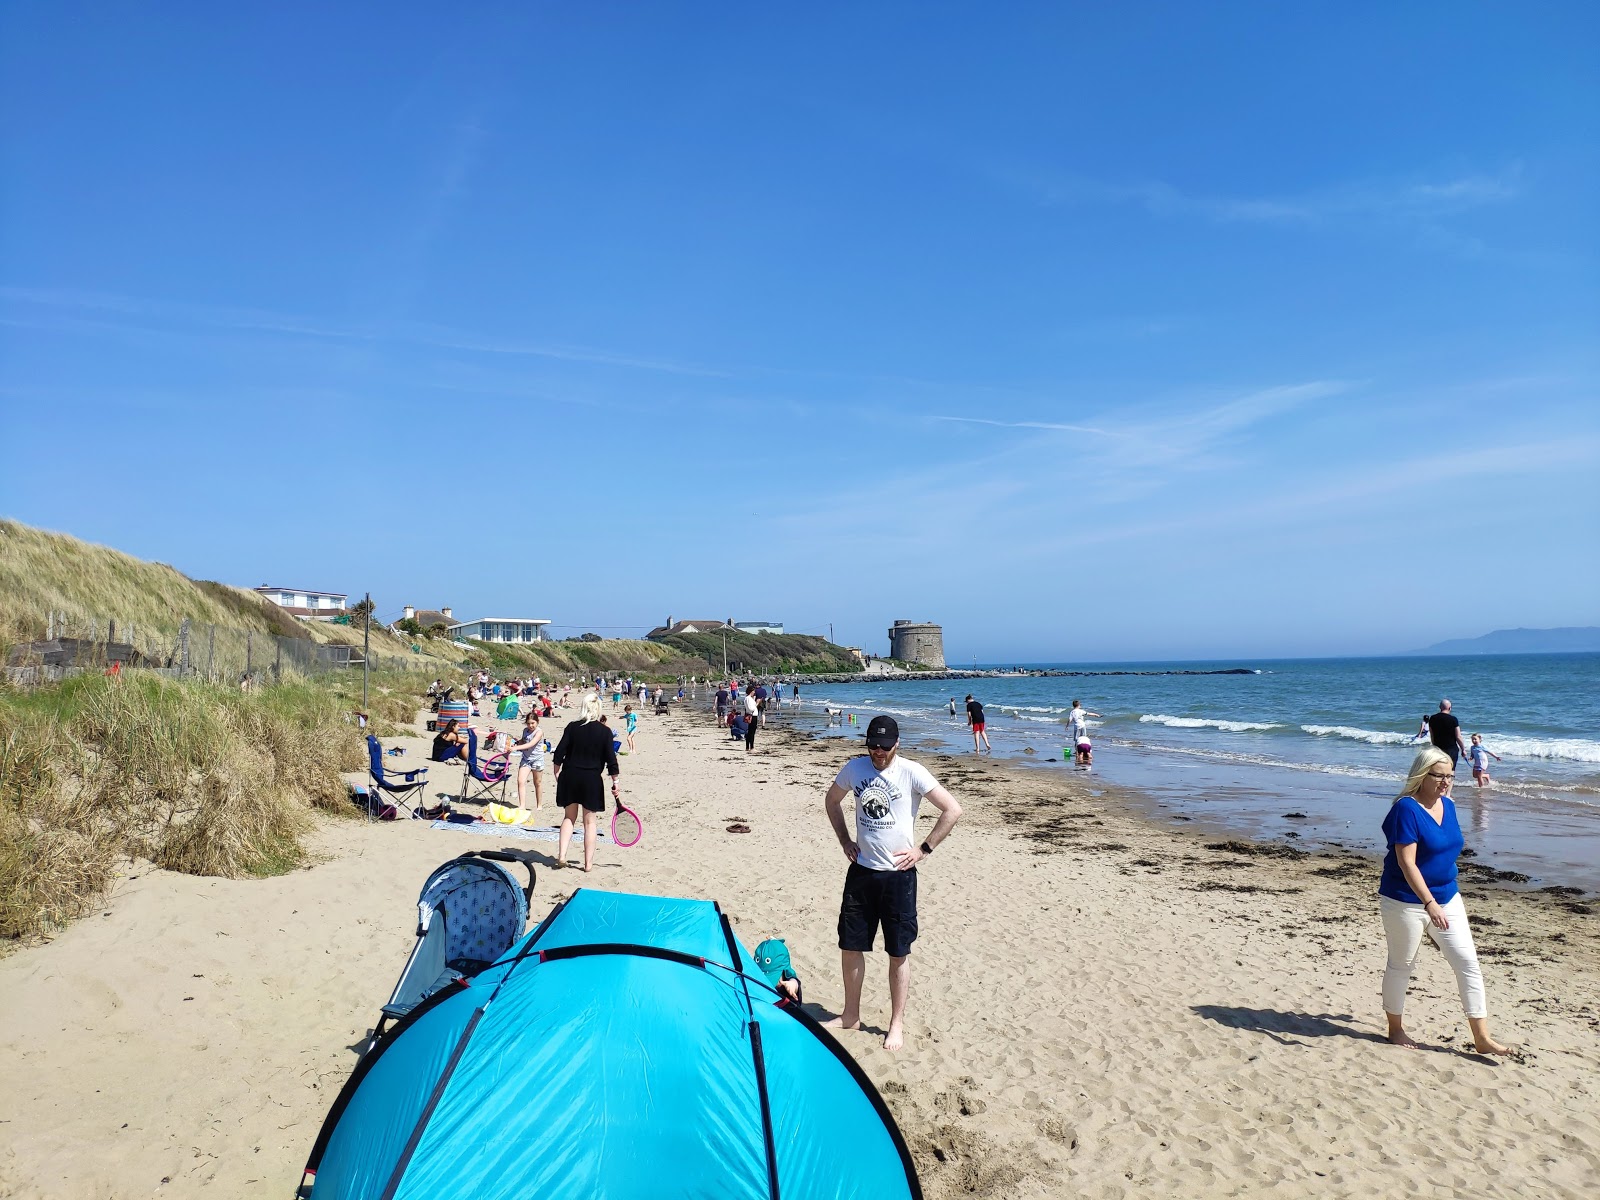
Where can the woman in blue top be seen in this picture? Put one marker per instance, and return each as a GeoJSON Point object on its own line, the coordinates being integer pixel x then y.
{"type": "Point", "coordinates": [1418, 894]}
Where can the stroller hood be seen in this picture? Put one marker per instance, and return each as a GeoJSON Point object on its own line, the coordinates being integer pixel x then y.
{"type": "Point", "coordinates": [629, 1047]}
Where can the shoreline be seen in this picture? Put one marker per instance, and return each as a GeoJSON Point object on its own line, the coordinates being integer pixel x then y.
{"type": "Point", "coordinates": [1526, 839]}
{"type": "Point", "coordinates": [1101, 1005]}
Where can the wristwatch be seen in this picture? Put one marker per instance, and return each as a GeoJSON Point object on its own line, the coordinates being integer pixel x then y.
{"type": "Point", "coordinates": [926, 849]}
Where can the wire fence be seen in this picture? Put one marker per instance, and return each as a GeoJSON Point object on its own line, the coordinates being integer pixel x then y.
{"type": "Point", "coordinates": [75, 644]}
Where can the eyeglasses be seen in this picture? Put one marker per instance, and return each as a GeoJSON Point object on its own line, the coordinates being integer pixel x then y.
{"type": "Point", "coordinates": [1441, 778]}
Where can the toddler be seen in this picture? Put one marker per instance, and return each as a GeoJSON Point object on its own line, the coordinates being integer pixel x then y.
{"type": "Point", "coordinates": [1480, 756]}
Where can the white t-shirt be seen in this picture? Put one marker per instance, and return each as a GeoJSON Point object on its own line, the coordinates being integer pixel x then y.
{"type": "Point", "coordinates": [886, 807]}
{"type": "Point", "coordinates": [1078, 722]}
{"type": "Point", "coordinates": [751, 708]}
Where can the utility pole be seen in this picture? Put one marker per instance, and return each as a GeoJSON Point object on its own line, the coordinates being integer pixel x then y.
{"type": "Point", "coordinates": [830, 631]}
{"type": "Point", "coordinates": [366, 643]}
{"type": "Point", "coordinates": [724, 652]}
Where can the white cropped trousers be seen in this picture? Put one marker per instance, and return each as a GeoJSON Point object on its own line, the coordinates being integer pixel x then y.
{"type": "Point", "coordinates": [1403, 926]}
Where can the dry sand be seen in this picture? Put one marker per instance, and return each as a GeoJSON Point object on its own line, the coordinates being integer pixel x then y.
{"type": "Point", "coordinates": [1100, 1006]}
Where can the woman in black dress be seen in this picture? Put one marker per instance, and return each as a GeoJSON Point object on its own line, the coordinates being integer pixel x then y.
{"type": "Point", "coordinates": [584, 751]}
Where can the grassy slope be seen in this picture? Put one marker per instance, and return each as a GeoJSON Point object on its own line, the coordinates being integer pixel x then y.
{"type": "Point", "coordinates": [42, 571]}
{"type": "Point", "coordinates": [765, 652]}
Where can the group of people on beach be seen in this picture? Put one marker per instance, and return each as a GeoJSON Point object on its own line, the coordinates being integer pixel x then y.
{"type": "Point", "coordinates": [742, 708]}
{"type": "Point", "coordinates": [1444, 731]}
{"type": "Point", "coordinates": [1418, 891]}
{"type": "Point", "coordinates": [587, 748]}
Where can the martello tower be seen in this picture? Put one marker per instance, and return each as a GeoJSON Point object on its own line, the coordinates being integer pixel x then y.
{"type": "Point", "coordinates": [918, 642]}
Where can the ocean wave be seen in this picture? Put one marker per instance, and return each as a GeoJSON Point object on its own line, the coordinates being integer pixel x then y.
{"type": "Point", "coordinates": [1375, 737]}
{"type": "Point", "coordinates": [1202, 723]}
{"type": "Point", "coordinates": [1567, 749]}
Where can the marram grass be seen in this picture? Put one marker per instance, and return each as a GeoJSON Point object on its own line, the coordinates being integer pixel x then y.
{"type": "Point", "coordinates": [192, 777]}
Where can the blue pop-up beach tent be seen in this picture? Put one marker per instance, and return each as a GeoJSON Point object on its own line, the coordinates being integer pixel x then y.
{"type": "Point", "coordinates": [626, 1049]}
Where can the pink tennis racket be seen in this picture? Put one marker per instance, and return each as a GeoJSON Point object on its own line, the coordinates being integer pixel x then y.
{"type": "Point", "coordinates": [626, 828]}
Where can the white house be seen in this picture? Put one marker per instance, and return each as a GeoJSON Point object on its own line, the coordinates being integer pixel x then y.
{"type": "Point", "coordinates": [759, 626]}
{"type": "Point", "coordinates": [500, 629]}
{"type": "Point", "coordinates": [301, 602]}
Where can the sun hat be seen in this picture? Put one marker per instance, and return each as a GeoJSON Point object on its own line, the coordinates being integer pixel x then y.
{"type": "Point", "coordinates": [772, 956]}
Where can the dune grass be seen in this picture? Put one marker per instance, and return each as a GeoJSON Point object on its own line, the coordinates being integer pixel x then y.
{"type": "Point", "coordinates": [193, 777]}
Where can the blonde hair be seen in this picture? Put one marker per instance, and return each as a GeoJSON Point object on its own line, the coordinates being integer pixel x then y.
{"type": "Point", "coordinates": [591, 707]}
{"type": "Point", "coordinates": [1421, 766]}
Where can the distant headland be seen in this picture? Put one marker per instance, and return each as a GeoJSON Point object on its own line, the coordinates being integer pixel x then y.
{"type": "Point", "coordinates": [1578, 639]}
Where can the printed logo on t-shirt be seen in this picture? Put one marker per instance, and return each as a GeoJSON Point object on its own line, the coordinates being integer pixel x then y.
{"type": "Point", "coordinates": [875, 798]}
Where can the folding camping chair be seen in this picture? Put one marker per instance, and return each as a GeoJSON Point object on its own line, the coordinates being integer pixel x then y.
{"type": "Point", "coordinates": [387, 784]}
{"type": "Point", "coordinates": [485, 778]}
{"type": "Point", "coordinates": [470, 912]}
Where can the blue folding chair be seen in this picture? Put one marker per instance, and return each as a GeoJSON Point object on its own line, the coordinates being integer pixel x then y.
{"type": "Point", "coordinates": [390, 785]}
{"type": "Point", "coordinates": [485, 778]}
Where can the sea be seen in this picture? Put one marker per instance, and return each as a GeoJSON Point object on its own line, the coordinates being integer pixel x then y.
{"type": "Point", "coordinates": [1308, 750]}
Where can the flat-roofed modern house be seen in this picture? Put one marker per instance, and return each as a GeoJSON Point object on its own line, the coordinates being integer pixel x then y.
{"type": "Point", "coordinates": [302, 602]}
{"type": "Point", "coordinates": [759, 626]}
{"type": "Point", "coordinates": [500, 629]}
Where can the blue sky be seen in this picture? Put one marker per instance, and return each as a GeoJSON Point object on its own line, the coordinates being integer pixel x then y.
{"type": "Point", "coordinates": [1092, 332]}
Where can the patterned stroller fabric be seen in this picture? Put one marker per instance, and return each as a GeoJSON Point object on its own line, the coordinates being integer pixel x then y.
{"type": "Point", "coordinates": [483, 908]}
{"type": "Point", "coordinates": [470, 912]}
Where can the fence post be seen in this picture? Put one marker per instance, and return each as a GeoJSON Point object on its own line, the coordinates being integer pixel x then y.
{"type": "Point", "coordinates": [211, 654]}
{"type": "Point", "coordinates": [183, 648]}
{"type": "Point", "coordinates": [366, 647]}
{"type": "Point", "coordinates": [277, 663]}
{"type": "Point", "coordinates": [249, 642]}
{"type": "Point", "coordinates": [50, 625]}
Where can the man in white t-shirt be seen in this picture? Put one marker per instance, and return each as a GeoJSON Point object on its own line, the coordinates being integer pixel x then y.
{"type": "Point", "coordinates": [881, 885]}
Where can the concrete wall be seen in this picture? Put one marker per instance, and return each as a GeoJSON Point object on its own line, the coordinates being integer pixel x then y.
{"type": "Point", "coordinates": [918, 642]}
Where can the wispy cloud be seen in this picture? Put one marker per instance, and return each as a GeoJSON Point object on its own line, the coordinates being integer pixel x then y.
{"type": "Point", "coordinates": [1411, 200]}
{"type": "Point", "coordinates": [143, 312]}
{"type": "Point", "coordinates": [1056, 425]}
{"type": "Point", "coordinates": [1167, 439]}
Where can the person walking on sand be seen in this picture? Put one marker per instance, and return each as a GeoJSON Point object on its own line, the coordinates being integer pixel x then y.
{"type": "Point", "coordinates": [531, 747]}
{"type": "Point", "coordinates": [1480, 756]}
{"type": "Point", "coordinates": [880, 885]}
{"type": "Point", "coordinates": [975, 719]}
{"type": "Point", "coordinates": [584, 751]}
{"type": "Point", "coordinates": [631, 721]}
{"type": "Point", "coordinates": [752, 721]}
{"type": "Point", "coordinates": [1418, 894]}
{"type": "Point", "coordinates": [1444, 731]}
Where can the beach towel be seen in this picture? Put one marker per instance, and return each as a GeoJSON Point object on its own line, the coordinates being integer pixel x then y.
{"type": "Point", "coordinates": [547, 833]}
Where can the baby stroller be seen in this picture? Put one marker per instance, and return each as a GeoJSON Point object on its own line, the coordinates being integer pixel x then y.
{"type": "Point", "coordinates": [470, 912]}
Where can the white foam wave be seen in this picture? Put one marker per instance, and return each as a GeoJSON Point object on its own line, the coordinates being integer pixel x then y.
{"type": "Point", "coordinates": [1375, 737]}
{"type": "Point", "coordinates": [1569, 749]}
{"type": "Point", "coordinates": [1202, 723]}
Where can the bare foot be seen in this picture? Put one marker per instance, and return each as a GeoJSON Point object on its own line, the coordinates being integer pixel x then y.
{"type": "Point", "coordinates": [841, 1023]}
{"type": "Point", "coordinates": [895, 1038]}
{"type": "Point", "coordinates": [587, 867]}
{"type": "Point", "coordinates": [1402, 1038]}
{"type": "Point", "coordinates": [1493, 1047]}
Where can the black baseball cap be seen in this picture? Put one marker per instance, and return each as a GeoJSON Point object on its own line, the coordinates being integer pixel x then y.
{"type": "Point", "coordinates": [883, 733]}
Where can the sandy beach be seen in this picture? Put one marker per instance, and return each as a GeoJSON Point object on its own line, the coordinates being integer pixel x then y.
{"type": "Point", "coordinates": [1102, 1004]}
